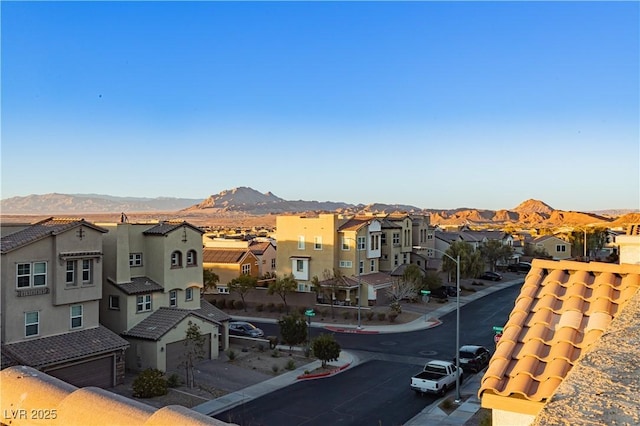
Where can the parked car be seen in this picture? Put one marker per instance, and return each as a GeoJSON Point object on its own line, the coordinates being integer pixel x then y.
{"type": "Point", "coordinates": [243, 328]}
{"type": "Point", "coordinates": [451, 290]}
{"type": "Point", "coordinates": [519, 267]}
{"type": "Point", "coordinates": [491, 276]}
{"type": "Point", "coordinates": [440, 293]}
{"type": "Point", "coordinates": [436, 377]}
{"type": "Point", "coordinates": [473, 357]}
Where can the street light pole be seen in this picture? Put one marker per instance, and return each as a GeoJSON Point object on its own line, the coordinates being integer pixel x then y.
{"type": "Point", "coordinates": [359, 286]}
{"type": "Point", "coordinates": [457, 261]}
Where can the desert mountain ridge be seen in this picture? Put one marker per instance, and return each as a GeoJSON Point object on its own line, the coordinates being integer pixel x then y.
{"type": "Point", "coordinates": [245, 201]}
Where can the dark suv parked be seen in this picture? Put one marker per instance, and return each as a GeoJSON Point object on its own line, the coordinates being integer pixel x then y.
{"type": "Point", "coordinates": [519, 267]}
{"type": "Point", "coordinates": [473, 357]}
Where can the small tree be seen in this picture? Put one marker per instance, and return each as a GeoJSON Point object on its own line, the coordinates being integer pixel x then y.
{"type": "Point", "coordinates": [243, 285]}
{"type": "Point", "coordinates": [293, 329]}
{"type": "Point", "coordinates": [325, 348]}
{"type": "Point", "coordinates": [470, 260]}
{"type": "Point", "coordinates": [282, 287]}
{"type": "Point", "coordinates": [405, 287]}
{"type": "Point", "coordinates": [209, 280]}
{"type": "Point", "coordinates": [493, 250]}
{"type": "Point", "coordinates": [194, 351]}
{"type": "Point", "coordinates": [329, 287]}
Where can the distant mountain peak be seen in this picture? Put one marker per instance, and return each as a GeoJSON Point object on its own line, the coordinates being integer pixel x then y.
{"type": "Point", "coordinates": [534, 206]}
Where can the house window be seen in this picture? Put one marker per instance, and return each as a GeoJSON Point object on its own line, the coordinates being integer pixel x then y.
{"type": "Point", "coordinates": [223, 290]}
{"type": "Point", "coordinates": [76, 316]}
{"type": "Point", "coordinates": [346, 264]}
{"type": "Point", "coordinates": [362, 242]}
{"type": "Point", "coordinates": [345, 244]}
{"type": "Point", "coordinates": [70, 275]}
{"type": "Point", "coordinates": [173, 298]}
{"type": "Point", "coordinates": [135, 259]}
{"type": "Point", "coordinates": [31, 323]}
{"type": "Point", "coordinates": [191, 258]}
{"type": "Point", "coordinates": [395, 260]}
{"type": "Point", "coordinates": [273, 263]}
{"type": "Point", "coordinates": [31, 274]}
{"type": "Point", "coordinates": [143, 303]}
{"type": "Point", "coordinates": [373, 265]}
{"type": "Point", "coordinates": [176, 259]}
{"type": "Point", "coordinates": [560, 247]}
{"type": "Point", "coordinates": [246, 269]}
{"type": "Point", "coordinates": [299, 265]}
{"type": "Point", "coordinates": [383, 239]}
{"type": "Point", "coordinates": [317, 243]}
{"type": "Point", "coordinates": [188, 294]}
{"type": "Point", "coordinates": [87, 271]}
{"type": "Point", "coordinates": [114, 302]}
{"type": "Point", "coordinates": [361, 267]}
{"type": "Point", "coordinates": [396, 238]}
{"type": "Point", "coordinates": [300, 242]}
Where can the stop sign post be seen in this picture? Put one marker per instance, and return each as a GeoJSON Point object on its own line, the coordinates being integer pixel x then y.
{"type": "Point", "coordinates": [498, 334]}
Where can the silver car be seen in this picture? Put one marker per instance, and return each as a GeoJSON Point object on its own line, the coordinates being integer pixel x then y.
{"type": "Point", "coordinates": [243, 328]}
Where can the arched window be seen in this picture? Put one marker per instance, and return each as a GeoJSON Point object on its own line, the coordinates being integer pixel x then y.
{"type": "Point", "coordinates": [192, 259]}
{"type": "Point", "coordinates": [176, 259]}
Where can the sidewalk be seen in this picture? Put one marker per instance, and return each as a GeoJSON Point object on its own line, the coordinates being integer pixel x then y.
{"type": "Point", "coordinates": [432, 414]}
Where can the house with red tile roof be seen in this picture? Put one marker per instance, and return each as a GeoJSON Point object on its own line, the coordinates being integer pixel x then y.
{"type": "Point", "coordinates": [51, 289]}
{"type": "Point", "coordinates": [564, 314]}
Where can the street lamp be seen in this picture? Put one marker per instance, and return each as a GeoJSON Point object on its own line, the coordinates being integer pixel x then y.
{"type": "Point", "coordinates": [457, 261]}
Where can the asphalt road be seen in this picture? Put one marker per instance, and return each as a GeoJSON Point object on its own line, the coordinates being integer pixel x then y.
{"type": "Point", "coordinates": [376, 392]}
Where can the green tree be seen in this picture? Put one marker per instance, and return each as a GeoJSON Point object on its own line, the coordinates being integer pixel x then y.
{"type": "Point", "coordinates": [209, 280]}
{"type": "Point", "coordinates": [282, 287]}
{"type": "Point", "coordinates": [243, 285]}
{"type": "Point", "coordinates": [470, 260]}
{"type": "Point", "coordinates": [194, 350]}
{"type": "Point", "coordinates": [493, 251]}
{"type": "Point", "coordinates": [325, 348]}
{"type": "Point", "coordinates": [431, 281]}
{"type": "Point", "coordinates": [293, 329]}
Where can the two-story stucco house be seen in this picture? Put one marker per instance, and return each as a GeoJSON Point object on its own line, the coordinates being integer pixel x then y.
{"type": "Point", "coordinates": [51, 290]}
{"type": "Point", "coordinates": [555, 247]}
{"type": "Point", "coordinates": [152, 282]}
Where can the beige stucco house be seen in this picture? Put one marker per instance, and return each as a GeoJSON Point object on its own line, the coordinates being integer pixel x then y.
{"type": "Point", "coordinates": [51, 289]}
{"type": "Point", "coordinates": [228, 264]}
{"type": "Point", "coordinates": [555, 247]}
{"type": "Point", "coordinates": [153, 276]}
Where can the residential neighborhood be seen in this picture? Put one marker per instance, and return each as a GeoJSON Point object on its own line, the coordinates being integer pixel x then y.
{"type": "Point", "coordinates": [90, 302]}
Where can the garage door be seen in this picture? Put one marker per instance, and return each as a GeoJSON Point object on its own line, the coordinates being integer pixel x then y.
{"type": "Point", "coordinates": [97, 372]}
{"type": "Point", "coordinates": [176, 350]}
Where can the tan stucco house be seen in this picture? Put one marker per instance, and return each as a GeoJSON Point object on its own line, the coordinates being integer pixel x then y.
{"type": "Point", "coordinates": [555, 247]}
{"type": "Point", "coordinates": [153, 277]}
{"type": "Point", "coordinates": [51, 289]}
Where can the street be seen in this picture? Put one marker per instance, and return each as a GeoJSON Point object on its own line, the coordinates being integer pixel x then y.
{"type": "Point", "coordinates": [376, 391]}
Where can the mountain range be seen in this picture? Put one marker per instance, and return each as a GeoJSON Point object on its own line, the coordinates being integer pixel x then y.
{"type": "Point", "coordinates": [247, 201]}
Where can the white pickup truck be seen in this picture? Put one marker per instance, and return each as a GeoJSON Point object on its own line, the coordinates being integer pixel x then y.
{"type": "Point", "coordinates": [436, 377]}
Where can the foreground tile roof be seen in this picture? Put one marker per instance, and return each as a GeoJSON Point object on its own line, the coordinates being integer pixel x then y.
{"type": "Point", "coordinates": [42, 229]}
{"type": "Point", "coordinates": [562, 310]}
{"type": "Point", "coordinates": [604, 385]}
{"type": "Point", "coordinates": [70, 346]}
{"type": "Point", "coordinates": [164, 319]}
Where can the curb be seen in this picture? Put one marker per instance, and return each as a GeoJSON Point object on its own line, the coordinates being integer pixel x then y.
{"type": "Point", "coordinates": [349, 330]}
{"type": "Point", "coordinates": [325, 374]}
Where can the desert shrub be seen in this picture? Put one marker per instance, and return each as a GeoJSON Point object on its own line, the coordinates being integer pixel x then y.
{"type": "Point", "coordinates": [261, 347]}
{"type": "Point", "coordinates": [346, 315]}
{"type": "Point", "coordinates": [395, 307]}
{"type": "Point", "coordinates": [392, 316]}
{"type": "Point", "coordinates": [260, 307]}
{"type": "Point", "coordinates": [151, 382]}
{"type": "Point", "coordinates": [447, 404]}
{"type": "Point", "coordinates": [291, 365]}
{"type": "Point", "coordinates": [275, 368]}
{"type": "Point", "coordinates": [238, 304]}
{"type": "Point", "coordinates": [275, 353]}
{"type": "Point", "coordinates": [273, 341]}
{"type": "Point", "coordinates": [231, 354]}
{"type": "Point", "coordinates": [370, 315]}
{"type": "Point", "coordinates": [381, 316]}
{"type": "Point", "coordinates": [174, 381]}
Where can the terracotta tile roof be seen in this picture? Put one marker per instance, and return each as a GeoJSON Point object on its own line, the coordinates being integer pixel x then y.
{"type": "Point", "coordinates": [164, 319]}
{"type": "Point", "coordinates": [222, 255]}
{"type": "Point", "coordinates": [164, 228]}
{"type": "Point", "coordinates": [603, 386]}
{"type": "Point", "coordinates": [53, 350]}
{"type": "Point", "coordinates": [259, 247]}
{"type": "Point", "coordinates": [562, 310]}
{"type": "Point", "coordinates": [139, 285]}
{"type": "Point", "coordinates": [376, 280]}
{"type": "Point", "coordinates": [42, 229]}
{"type": "Point", "coordinates": [354, 224]}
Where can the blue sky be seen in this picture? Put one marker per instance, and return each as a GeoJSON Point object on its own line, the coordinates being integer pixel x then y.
{"type": "Point", "coordinates": [432, 104]}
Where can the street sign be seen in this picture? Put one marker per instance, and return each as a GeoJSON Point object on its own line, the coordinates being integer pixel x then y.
{"type": "Point", "coordinates": [425, 292]}
{"type": "Point", "coordinates": [496, 338]}
{"type": "Point", "coordinates": [310, 313]}
{"type": "Point", "coordinates": [498, 330]}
